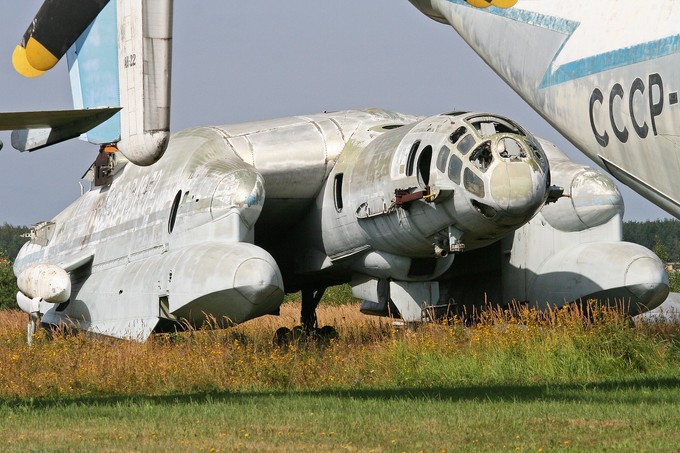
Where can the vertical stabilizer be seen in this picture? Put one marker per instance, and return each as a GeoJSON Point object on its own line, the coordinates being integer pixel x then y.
{"type": "Point", "coordinates": [144, 62]}
{"type": "Point", "coordinates": [93, 69]}
{"type": "Point", "coordinates": [124, 58]}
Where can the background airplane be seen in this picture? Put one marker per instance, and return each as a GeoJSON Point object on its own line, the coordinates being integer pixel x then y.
{"type": "Point", "coordinates": [283, 60]}
{"type": "Point", "coordinates": [603, 73]}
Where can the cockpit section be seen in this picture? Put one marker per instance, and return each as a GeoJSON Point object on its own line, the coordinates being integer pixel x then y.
{"type": "Point", "coordinates": [482, 157]}
{"type": "Point", "coordinates": [489, 125]}
{"type": "Point", "coordinates": [502, 165]}
{"type": "Point", "coordinates": [472, 151]}
{"type": "Point", "coordinates": [493, 168]}
{"type": "Point", "coordinates": [438, 185]}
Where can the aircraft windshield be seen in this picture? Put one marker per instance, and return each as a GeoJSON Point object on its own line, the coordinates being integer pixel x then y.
{"type": "Point", "coordinates": [510, 148]}
{"type": "Point", "coordinates": [487, 126]}
{"type": "Point", "coordinates": [466, 144]}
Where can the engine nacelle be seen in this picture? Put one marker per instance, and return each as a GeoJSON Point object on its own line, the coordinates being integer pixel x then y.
{"type": "Point", "coordinates": [613, 272]}
{"type": "Point", "coordinates": [452, 181]}
{"type": "Point", "coordinates": [592, 198]}
{"type": "Point", "coordinates": [45, 281]}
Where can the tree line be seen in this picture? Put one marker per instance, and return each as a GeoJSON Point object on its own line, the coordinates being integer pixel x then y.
{"type": "Point", "coordinates": [661, 236]}
{"type": "Point", "coordinates": [10, 243]}
{"type": "Point", "coordinates": [11, 240]}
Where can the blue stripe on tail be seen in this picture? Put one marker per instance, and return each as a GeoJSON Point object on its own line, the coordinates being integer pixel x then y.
{"type": "Point", "coordinates": [93, 69]}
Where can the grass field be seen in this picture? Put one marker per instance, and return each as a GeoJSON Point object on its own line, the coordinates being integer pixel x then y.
{"type": "Point", "coordinates": [514, 381]}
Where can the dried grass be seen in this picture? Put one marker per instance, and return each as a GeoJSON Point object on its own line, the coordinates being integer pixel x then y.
{"type": "Point", "coordinates": [513, 345]}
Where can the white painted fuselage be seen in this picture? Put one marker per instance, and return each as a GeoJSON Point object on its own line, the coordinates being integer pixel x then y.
{"type": "Point", "coordinates": [356, 194]}
{"type": "Point", "coordinates": [605, 73]}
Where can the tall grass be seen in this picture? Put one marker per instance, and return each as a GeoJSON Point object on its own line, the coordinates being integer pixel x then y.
{"type": "Point", "coordinates": [513, 347]}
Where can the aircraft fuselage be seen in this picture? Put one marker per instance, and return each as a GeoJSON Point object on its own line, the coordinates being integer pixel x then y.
{"type": "Point", "coordinates": [606, 74]}
{"type": "Point", "coordinates": [232, 212]}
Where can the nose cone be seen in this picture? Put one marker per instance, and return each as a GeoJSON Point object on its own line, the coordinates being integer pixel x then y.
{"type": "Point", "coordinates": [517, 188]}
{"type": "Point", "coordinates": [647, 280]}
{"type": "Point", "coordinates": [258, 281]}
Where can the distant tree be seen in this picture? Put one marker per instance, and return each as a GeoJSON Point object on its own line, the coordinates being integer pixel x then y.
{"type": "Point", "coordinates": [652, 233]}
{"type": "Point", "coordinates": [674, 280]}
{"type": "Point", "coordinates": [663, 238]}
{"type": "Point", "coordinates": [660, 250]}
{"type": "Point", "coordinates": [8, 283]}
{"type": "Point", "coordinates": [11, 240]}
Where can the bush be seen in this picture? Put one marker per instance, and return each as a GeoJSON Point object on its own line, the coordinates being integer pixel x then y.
{"type": "Point", "coordinates": [8, 283]}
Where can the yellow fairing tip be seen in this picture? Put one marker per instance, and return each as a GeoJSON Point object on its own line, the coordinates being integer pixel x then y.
{"type": "Point", "coordinates": [38, 56]}
{"type": "Point", "coordinates": [503, 3]}
{"type": "Point", "coordinates": [479, 3]}
{"type": "Point", "coordinates": [21, 65]}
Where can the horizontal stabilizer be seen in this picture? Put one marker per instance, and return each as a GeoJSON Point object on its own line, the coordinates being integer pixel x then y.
{"type": "Point", "coordinates": [35, 130]}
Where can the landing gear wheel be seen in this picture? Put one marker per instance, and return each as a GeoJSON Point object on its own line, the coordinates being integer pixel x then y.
{"type": "Point", "coordinates": [328, 332]}
{"type": "Point", "coordinates": [283, 336]}
{"type": "Point", "coordinates": [323, 336]}
{"type": "Point", "coordinates": [308, 330]}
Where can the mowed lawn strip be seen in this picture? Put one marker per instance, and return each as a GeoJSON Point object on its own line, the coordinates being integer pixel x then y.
{"type": "Point", "coordinates": [523, 381]}
{"type": "Point", "coordinates": [624, 416]}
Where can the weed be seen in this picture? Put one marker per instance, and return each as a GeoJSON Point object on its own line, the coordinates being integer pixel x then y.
{"type": "Point", "coordinates": [500, 346]}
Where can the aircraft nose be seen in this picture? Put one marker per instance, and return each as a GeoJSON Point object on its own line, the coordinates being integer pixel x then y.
{"type": "Point", "coordinates": [515, 187]}
{"type": "Point", "coordinates": [647, 280]}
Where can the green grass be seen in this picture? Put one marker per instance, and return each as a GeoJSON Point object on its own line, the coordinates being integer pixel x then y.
{"type": "Point", "coordinates": [518, 381]}
{"type": "Point", "coordinates": [334, 295]}
{"type": "Point", "coordinates": [634, 415]}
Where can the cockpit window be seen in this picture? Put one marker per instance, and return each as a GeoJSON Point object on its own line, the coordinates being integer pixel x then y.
{"type": "Point", "coordinates": [455, 165]}
{"type": "Point", "coordinates": [411, 160]}
{"type": "Point", "coordinates": [487, 126]}
{"type": "Point", "coordinates": [458, 134]}
{"type": "Point", "coordinates": [41, 233]}
{"type": "Point", "coordinates": [424, 164]}
{"type": "Point", "coordinates": [466, 144]}
{"type": "Point", "coordinates": [510, 148]}
{"type": "Point", "coordinates": [473, 183]}
{"type": "Point", "coordinates": [442, 158]}
{"type": "Point", "coordinates": [482, 156]}
{"type": "Point", "coordinates": [537, 152]}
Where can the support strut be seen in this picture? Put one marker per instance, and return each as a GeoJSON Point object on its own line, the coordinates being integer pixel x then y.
{"type": "Point", "coordinates": [310, 300]}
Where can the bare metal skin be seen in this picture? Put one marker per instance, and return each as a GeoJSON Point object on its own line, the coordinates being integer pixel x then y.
{"type": "Point", "coordinates": [207, 228]}
{"type": "Point", "coordinates": [422, 216]}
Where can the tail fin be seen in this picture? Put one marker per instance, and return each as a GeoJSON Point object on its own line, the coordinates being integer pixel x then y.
{"type": "Point", "coordinates": [122, 58]}
{"type": "Point", "coordinates": [144, 61]}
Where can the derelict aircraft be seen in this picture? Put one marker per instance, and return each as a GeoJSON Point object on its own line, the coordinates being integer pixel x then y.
{"type": "Point", "coordinates": [604, 74]}
{"type": "Point", "coordinates": [422, 216]}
